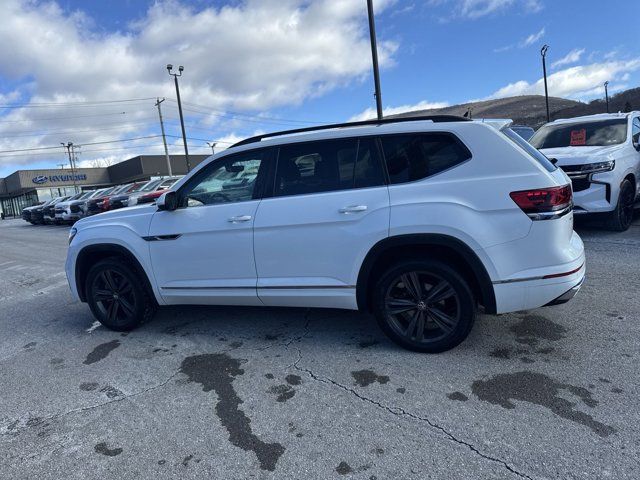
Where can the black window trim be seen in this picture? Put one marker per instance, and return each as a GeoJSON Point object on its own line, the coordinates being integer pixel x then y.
{"type": "Point", "coordinates": [260, 188]}
{"type": "Point", "coordinates": [430, 132]}
{"type": "Point", "coordinates": [270, 192]}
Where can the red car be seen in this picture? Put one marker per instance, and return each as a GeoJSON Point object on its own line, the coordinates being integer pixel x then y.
{"type": "Point", "coordinates": [150, 197]}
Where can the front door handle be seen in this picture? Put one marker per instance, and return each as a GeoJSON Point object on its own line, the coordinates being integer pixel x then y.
{"type": "Point", "coordinates": [240, 219]}
{"type": "Point", "coordinates": [353, 209]}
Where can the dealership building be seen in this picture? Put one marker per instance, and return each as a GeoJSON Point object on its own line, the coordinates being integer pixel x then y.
{"type": "Point", "coordinates": [28, 187]}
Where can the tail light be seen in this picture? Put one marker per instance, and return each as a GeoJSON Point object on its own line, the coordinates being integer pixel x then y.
{"type": "Point", "coordinates": [104, 204]}
{"type": "Point", "coordinates": [544, 203]}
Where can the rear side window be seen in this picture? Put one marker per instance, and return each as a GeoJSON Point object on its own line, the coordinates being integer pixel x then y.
{"type": "Point", "coordinates": [325, 166]}
{"type": "Point", "coordinates": [537, 155]}
{"type": "Point", "coordinates": [416, 156]}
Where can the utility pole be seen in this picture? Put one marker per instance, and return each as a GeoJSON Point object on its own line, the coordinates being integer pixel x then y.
{"type": "Point", "coordinates": [374, 57]}
{"type": "Point", "coordinates": [606, 94]}
{"type": "Point", "coordinates": [71, 153]}
{"type": "Point", "coordinates": [543, 52]}
{"type": "Point", "coordinates": [213, 146]}
{"type": "Point", "coordinates": [184, 135]}
{"type": "Point", "coordinates": [164, 139]}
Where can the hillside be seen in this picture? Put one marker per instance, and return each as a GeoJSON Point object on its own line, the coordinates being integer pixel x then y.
{"type": "Point", "coordinates": [530, 109]}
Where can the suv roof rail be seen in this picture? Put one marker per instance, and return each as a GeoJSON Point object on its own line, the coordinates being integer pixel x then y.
{"type": "Point", "coordinates": [432, 118]}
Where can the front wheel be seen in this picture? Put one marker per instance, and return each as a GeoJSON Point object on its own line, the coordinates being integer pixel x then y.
{"type": "Point", "coordinates": [621, 218]}
{"type": "Point", "coordinates": [425, 306]}
{"type": "Point", "coordinates": [117, 297]}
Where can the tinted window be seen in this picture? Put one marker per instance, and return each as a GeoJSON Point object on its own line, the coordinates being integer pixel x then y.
{"type": "Point", "coordinates": [636, 130]}
{"type": "Point", "coordinates": [416, 156]}
{"type": "Point", "coordinates": [327, 165]}
{"type": "Point", "coordinates": [230, 179]}
{"type": "Point", "coordinates": [582, 134]}
{"type": "Point", "coordinates": [527, 147]}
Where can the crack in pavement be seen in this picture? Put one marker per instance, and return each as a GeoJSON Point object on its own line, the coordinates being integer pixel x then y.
{"type": "Point", "coordinates": [400, 412]}
{"type": "Point", "coordinates": [98, 405]}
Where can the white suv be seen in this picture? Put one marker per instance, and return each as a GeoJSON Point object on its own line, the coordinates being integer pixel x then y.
{"type": "Point", "coordinates": [421, 221]}
{"type": "Point", "coordinates": [601, 155]}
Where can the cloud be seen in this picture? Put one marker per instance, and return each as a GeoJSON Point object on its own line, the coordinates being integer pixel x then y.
{"type": "Point", "coordinates": [533, 38]}
{"type": "Point", "coordinates": [251, 56]}
{"type": "Point", "coordinates": [371, 113]}
{"type": "Point", "coordinates": [474, 9]}
{"type": "Point", "coordinates": [526, 42]}
{"type": "Point", "coordinates": [573, 56]}
{"type": "Point", "coordinates": [579, 82]}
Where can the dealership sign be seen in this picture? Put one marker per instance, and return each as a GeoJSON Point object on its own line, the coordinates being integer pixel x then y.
{"type": "Point", "coordinates": [40, 179]}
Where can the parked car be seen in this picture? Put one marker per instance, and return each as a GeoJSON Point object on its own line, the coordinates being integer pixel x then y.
{"type": "Point", "coordinates": [71, 210]}
{"type": "Point", "coordinates": [49, 213]}
{"type": "Point", "coordinates": [26, 212]}
{"type": "Point", "coordinates": [100, 203]}
{"type": "Point", "coordinates": [122, 199]}
{"type": "Point", "coordinates": [397, 217]}
{"type": "Point", "coordinates": [601, 155]}
{"type": "Point", "coordinates": [37, 213]}
{"type": "Point", "coordinates": [154, 195]}
{"type": "Point", "coordinates": [524, 131]}
{"type": "Point", "coordinates": [150, 188]}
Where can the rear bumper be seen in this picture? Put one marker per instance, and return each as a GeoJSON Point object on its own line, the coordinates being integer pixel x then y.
{"type": "Point", "coordinates": [568, 295]}
{"type": "Point", "coordinates": [535, 293]}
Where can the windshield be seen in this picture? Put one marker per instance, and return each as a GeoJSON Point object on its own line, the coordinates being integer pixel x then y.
{"type": "Point", "coordinates": [526, 146]}
{"type": "Point", "coordinates": [150, 185]}
{"type": "Point", "coordinates": [600, 133]}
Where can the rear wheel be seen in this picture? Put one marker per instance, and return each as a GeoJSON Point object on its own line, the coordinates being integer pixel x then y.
{"type": "Point", "coordinates": [425, 306]}
{"type": "Point", "coordinates": [117, 297]}
{"type": "Point", "coordinates": [620, 219]}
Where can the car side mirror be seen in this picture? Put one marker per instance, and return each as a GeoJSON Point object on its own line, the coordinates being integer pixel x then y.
{"type": "Point", "coordinates": [167, 201]}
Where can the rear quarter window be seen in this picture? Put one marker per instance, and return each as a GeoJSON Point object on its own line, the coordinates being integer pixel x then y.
{"type": "Point", "coordinates": [411, 157]}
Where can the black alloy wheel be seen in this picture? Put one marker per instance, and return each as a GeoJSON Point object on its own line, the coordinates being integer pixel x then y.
{"type": "Point", "coordinates": [117, 297]}
{"type": "Point", "coordinates": [425, 306]}
{"type": "Point", "coordinates": [621, 218]}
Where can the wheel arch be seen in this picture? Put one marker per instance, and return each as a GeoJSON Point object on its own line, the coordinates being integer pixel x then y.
{"type": "Point", "coordinates": [438, 246]}
{"type": "Point", "coordinates": [89, 255]}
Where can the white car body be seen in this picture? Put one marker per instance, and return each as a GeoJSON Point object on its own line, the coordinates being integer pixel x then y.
{"type": "Point", "coordinates": [311, 250]}
{"type": "Point", "coordinates": [599, 192]}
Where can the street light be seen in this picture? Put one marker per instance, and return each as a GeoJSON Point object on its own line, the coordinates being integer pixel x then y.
{"type": "Point", "coordinates": [543, 52]}
{"type": "Point", "coordinates": [213, 146]}
{"type": "Point", "coordinates": [184, 135]}
{"type": "Point", "coordinates": [374, 57]}
{"type": "Point", "coordinates": [606, 93]}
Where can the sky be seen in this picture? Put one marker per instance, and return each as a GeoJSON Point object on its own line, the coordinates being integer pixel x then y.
{"type": "Point", "coordinates": [89, 72]}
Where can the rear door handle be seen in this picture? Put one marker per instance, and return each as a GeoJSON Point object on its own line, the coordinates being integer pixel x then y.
{"type": "Point", "coordinates": [240, 219]}
{"type": "Point", "coordinates": [353, 209]}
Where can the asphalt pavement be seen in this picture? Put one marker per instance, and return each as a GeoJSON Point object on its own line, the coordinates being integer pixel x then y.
{"type": "Point", "coordinates": [236, 393]}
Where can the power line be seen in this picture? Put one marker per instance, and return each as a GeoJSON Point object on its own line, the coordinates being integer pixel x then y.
{"type": "Point", "coordinates": [63, 118]}
{"type": "Point", "coordinates": [73, 104]}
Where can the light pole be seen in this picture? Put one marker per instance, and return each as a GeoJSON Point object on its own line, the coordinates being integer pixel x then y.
{"type": "Point", "coordinates": [213, 146]}
{"type": "Point", "coordinates": [606, 93]}
{"type": "Point", "coordinates": [543, 52]}
{"type": "Point", "coordinates": [184, 135]}
{"type": "Point", "coordinates": [374, 57]}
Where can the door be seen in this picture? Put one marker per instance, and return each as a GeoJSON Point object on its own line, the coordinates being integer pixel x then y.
{"type": "Point", "coordinates": [329, 205]}
{"type": "Point", "coordinates": [202, 252]}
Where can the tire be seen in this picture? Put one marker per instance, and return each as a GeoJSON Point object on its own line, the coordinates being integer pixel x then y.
{"type": "Point", "coordinates": [419, 323]}
{"type": "Point", "coordinates": [621, 218]}
{"type": "Point", "coordinates": [117, 297]}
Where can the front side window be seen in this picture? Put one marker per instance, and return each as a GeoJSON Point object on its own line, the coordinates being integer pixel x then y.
{"type": "Point", "coordinates": [328, 165]}
{"type": "Point", "coordinates": [600, 133]}
{"type": "Point", "coordinates": [411, 157]}
{"type": "Point", "coordinates": [230, 179]}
